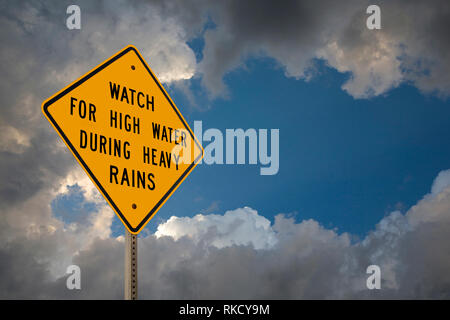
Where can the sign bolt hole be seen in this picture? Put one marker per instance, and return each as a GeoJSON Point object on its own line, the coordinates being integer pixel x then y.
{"type": "Point", "coordinates": [133, 67]}
{"type": "Point", "coordinates": [134, 206]}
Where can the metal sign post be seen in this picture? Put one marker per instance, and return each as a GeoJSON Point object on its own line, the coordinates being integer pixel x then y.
{"type": "Point", "coordinates": [131, 276]}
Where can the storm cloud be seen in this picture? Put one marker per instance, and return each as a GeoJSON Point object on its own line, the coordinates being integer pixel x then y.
{"type": "Point", "coordinates": [299, 259]}
{"type": "Point", "coordinates": [412, 46]}
{"type": "Point", "coordinates": [237, 254]}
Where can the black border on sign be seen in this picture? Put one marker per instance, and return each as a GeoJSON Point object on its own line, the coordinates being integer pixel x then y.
{"type": "Point", "coordinates": [61, 132]}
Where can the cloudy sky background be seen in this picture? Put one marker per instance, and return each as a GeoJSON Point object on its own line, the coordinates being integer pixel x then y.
{"type": "Point", "coordinates": [374, 197]}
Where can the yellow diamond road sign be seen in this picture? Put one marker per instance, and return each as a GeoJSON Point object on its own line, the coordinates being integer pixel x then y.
{"type": "Point", "coordinates": [127, 134]}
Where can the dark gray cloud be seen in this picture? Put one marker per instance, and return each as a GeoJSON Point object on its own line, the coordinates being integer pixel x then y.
{"type": "Point", "coordinates": [291, 33]}
{"type": "Point", "coordinates": [412, 46]}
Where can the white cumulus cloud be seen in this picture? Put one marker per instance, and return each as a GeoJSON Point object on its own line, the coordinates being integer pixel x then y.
{"type": "Point", "coordinates": [236, 227]}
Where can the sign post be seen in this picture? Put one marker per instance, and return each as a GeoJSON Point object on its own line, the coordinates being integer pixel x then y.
{"type": "Point", "coordinates": [131, 140]}
{"type": "Point", "coordinates": [131, 278]}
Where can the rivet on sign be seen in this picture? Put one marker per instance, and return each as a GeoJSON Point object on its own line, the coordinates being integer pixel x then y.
{"type": "Point", "coordinates": [133, 67]}
{"type": "Point", "coordinates": [134, 206]}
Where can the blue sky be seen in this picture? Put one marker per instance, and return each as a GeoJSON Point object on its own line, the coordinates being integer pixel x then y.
{"type": "Point", "coordinates": [344, 162]}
